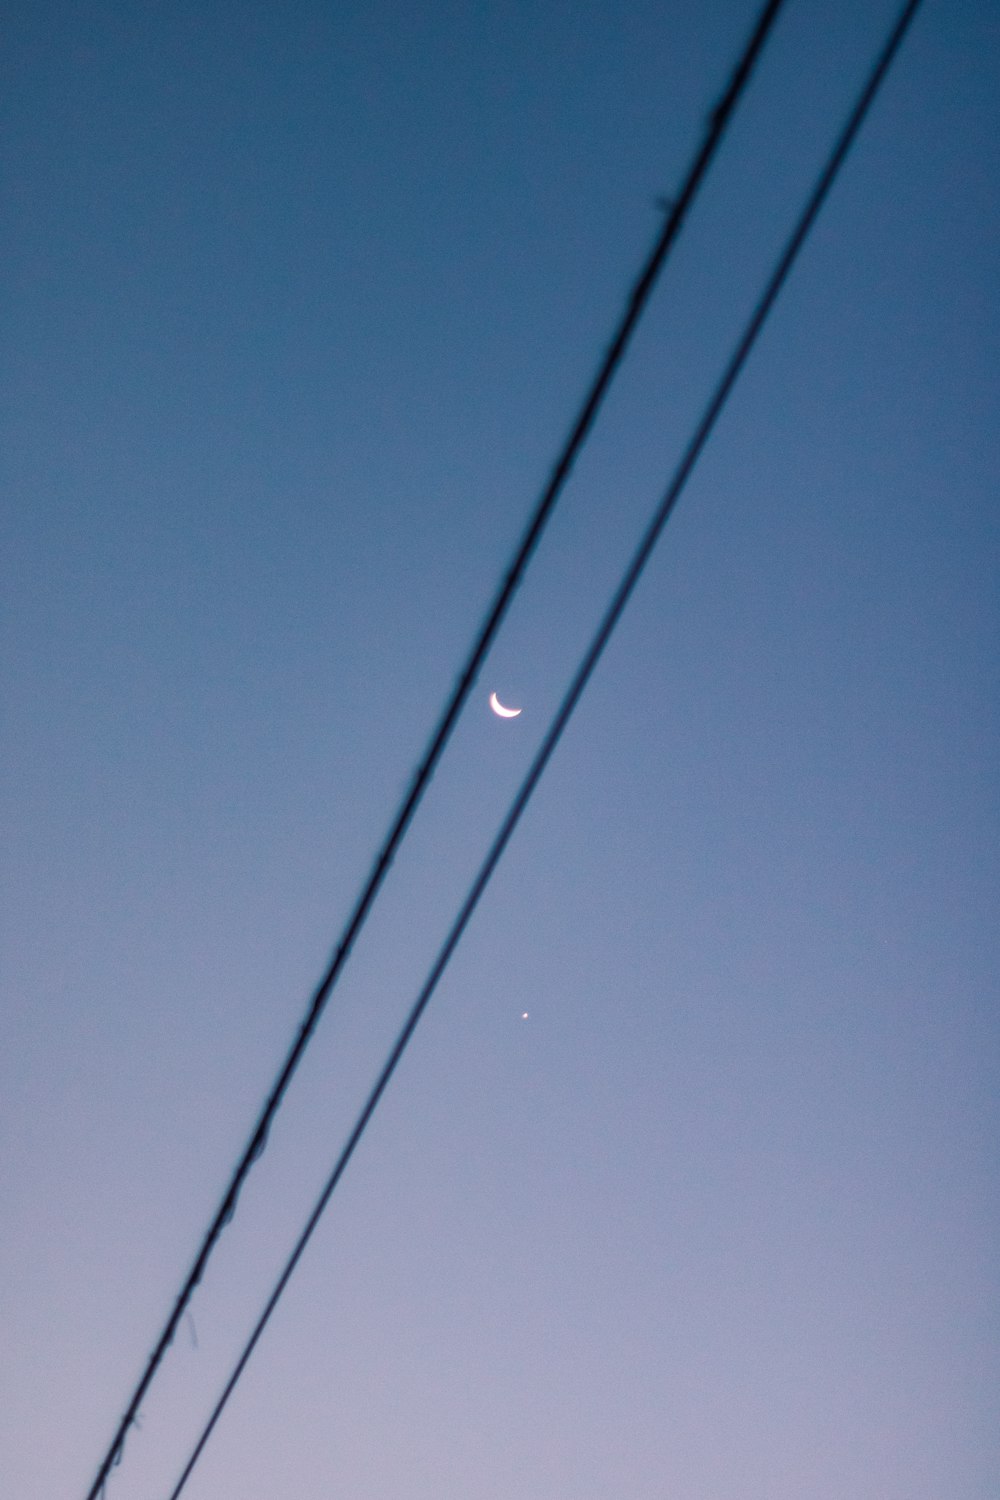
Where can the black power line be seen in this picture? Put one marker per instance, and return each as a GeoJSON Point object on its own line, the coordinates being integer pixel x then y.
{"type": "Point", "coordinates": [603, 634]}
{"type": "Point", "coordinates": [635, 304]}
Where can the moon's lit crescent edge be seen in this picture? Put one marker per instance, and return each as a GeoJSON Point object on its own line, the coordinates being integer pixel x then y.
{"type": "Point", "coordinates": [498, 708]}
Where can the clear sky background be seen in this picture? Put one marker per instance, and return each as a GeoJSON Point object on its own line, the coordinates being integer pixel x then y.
{"type": "Point", "coordinates": [300, 302]}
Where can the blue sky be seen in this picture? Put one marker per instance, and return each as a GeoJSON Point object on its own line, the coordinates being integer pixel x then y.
{"type": "Point", "coordinates": [300, 303]}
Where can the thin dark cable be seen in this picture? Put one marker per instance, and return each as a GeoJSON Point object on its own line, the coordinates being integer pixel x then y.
{"type": "Point", "coordinates": [636, 302]}
{"type": "Point", "coordinates": [583, 673]}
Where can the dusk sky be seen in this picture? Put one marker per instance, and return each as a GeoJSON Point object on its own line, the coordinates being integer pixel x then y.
{"type": "Point", "coordinates": [687, 1188]}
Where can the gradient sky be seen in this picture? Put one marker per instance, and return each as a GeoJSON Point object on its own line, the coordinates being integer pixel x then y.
{"type": "Point", "coordinates": [300, 302]}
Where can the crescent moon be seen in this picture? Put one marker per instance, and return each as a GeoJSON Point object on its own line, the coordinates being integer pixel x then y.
{"type": "Point", "coordinates": [498, 708]}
